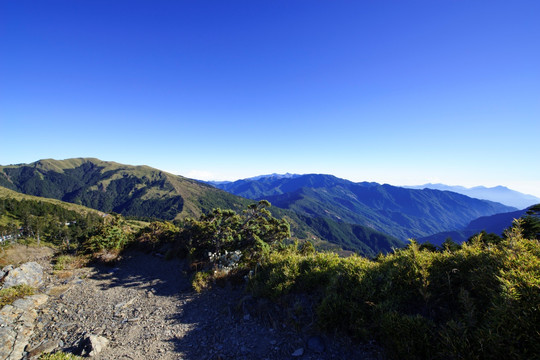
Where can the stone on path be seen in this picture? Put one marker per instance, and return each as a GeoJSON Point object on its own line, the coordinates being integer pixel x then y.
{"type": "Point", "coordinates": [91, 345]}
{"type": "Point", "coordinates": [43, 348]}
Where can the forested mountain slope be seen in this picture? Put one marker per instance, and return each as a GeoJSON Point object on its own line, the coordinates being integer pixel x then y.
{"type": "Point", "coordinates": [397, 211]}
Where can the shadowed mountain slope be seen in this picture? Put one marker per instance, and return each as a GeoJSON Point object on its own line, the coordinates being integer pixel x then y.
{"type": "Point", "coordinates": [397, 211]}
{"type": "Point", "coordinates": [491, 224]}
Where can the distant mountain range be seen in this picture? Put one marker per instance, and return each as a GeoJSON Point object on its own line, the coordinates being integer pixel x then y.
{"type": "Point", "coordinates": [334, 213]}
{"type": "Point", "coordinates": [145, 192]}
{"type": "Point", "coordinates": [499, 194]}
{"type": "Point", "coordinates": [400, 212]}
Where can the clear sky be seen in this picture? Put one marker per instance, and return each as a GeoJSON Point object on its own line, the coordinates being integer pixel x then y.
{"type": "Point", "coordinates": [399, 92]}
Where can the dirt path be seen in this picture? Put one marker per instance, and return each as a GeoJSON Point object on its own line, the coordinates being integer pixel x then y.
{"type": "Point", "coordinates": [146, 308]}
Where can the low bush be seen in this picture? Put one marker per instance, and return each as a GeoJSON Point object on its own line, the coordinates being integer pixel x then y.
{"type": "Point", "coordinates": [253, 233]}
{"type": "Point", "coordinates": [156, 234]}
{"type": "Point", "coordinates": [476, 302]}
{"type": "Point", "coordinates": [201, 280]}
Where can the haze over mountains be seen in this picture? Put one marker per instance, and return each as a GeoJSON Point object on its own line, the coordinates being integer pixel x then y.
{"type": "Point", "coordinates": [500, 194]}
{"type": "Point", "coordinates": [495, 224]}
{"type": "Point", "coordinates": [365, 217]}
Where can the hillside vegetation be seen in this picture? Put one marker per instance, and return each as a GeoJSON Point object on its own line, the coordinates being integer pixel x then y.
{"type": "Point", "coordinates": [14, 195]}
{"type": "Point", "coordinates": [56, 222]}
{"type": "Point", "coordinates": [474, 301]}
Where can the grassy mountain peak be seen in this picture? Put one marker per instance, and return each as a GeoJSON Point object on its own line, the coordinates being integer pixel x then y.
{"type": "Point", "coordinates": [109, 186]}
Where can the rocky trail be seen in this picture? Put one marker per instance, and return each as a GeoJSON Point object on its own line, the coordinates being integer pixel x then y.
{"type": "Point", "coordinates": [146, 309]}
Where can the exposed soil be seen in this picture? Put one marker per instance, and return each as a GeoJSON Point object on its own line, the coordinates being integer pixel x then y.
{"type": "Point", "coordinates": [147, 309]}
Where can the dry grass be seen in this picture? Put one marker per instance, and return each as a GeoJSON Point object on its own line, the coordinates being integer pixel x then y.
{"type": "Point", "coordinates": [64, 274]}
{"type": "Point", "coordinates": [19, 254]}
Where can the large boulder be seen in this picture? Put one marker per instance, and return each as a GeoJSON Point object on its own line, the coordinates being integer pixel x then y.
{"type": "Point", "coordinates": [30, 273]}
{"type": "Point", "coordinates": [17, 325]}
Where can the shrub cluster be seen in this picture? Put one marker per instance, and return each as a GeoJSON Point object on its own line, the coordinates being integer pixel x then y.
{"type": "Point", "coordinates": [112, 235]}
{"type": "Point", "coordinates": [253, 233]}
{"type": "Point", "coordinates": [479, 301]}
{"type": "Point", "coordinates": [9, 295]}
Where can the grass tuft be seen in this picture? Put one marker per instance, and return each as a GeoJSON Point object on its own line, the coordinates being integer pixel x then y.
{"type": "Point", "coordinates": [9, 295]}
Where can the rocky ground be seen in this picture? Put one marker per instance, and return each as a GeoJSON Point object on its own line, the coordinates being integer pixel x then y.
{"type": "Point", "coordinates": [146, 309]}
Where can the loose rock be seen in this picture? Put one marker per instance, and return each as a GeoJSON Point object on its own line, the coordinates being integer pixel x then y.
{"type": "Point", "coordinates": [91, 345]}
{"type": "Point", "coordinates": [30, 273]}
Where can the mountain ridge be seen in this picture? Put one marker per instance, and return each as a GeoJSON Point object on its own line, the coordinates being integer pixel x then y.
{"type": "Point", "coordinates": [142, 191]}
{"type": "Point", "coordinates": [400, 212]}
{"type": "Point", "coordinates": [111, 186]}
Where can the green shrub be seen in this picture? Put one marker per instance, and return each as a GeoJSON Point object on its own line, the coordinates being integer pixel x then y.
{"type": "Point", "coordinates": [157, 233]}
{"type": "Point", "coordinates": [407, 336]}
{"type": "Point", "coordinates": [59, 356]}
{"type": "Point", "coordinates": [109, 238]}
{"type": "Point", "coordinates": [62, 262]}
{"type": "Point", "coordinates": [201, 280]}
{"type": "Point", "coordinates": [253, 232]}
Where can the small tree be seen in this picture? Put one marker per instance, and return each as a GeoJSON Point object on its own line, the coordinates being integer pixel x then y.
{"type": "Point", "coordinates": [252, 232]}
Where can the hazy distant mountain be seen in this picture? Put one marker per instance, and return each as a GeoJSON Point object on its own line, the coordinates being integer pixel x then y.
{"type": "Point", "coordinates": [274, 176]}
{"type": "Point", "coordinates": [400, 212]}
{"type": "Point", "coordinates": [499, 194]}
{"type": "Point", "coordinates": [143, 191]}
{"type": "Point", "coordinates": [491, 224]}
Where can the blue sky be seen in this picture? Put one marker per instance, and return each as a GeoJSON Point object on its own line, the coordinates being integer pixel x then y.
{"type": "Point", "coordinates": [399, 92]}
